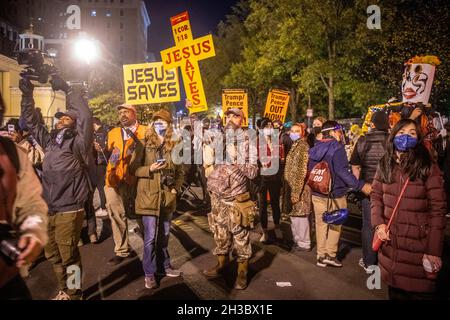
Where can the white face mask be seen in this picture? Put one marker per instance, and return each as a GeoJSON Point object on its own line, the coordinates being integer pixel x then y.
{"type": "Point", "coordinates": [268, 131]}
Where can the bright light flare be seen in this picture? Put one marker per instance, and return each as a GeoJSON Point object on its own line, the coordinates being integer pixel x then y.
{"type": "Point", "coordinates": [86, 50]}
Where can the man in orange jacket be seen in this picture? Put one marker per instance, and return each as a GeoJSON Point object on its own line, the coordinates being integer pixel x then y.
{"type": "Point", "coordinates": [121, 144]}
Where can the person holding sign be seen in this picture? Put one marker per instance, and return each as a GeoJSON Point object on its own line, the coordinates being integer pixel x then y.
{"type": "Point", "coordinates": [121, 143]}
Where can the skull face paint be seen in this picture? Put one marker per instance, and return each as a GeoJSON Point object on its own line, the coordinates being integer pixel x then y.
{"type": "Point", "coordinates": [417, 82]}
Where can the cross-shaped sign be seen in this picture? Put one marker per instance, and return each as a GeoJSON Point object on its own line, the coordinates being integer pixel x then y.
{"type": "Point", "coordinates": [186, 54]}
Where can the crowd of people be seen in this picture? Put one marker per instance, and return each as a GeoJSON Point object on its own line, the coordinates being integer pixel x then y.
{"type": "Point", "coordinates": [48, 180]}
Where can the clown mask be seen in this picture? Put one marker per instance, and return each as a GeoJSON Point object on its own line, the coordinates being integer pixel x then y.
{"type": "Point", "coordinates": [417, 82]}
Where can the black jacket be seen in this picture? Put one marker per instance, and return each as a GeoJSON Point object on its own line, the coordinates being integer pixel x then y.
{"type": "Point", "coordinates": [64, 177]}
{"type": "Point", "coordinates": [367, 153]}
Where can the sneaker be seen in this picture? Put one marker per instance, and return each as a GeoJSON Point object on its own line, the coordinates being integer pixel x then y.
{"type": "Point", "coordinates": [172, 273]}
{"type": "Point", "coordinates": [332, 261]}
{"type": "Point", "coordinates": [264, 237]}
{"type": "Point", "coordinates": [62, 296]}
{"type": "Point", "coordinates": [320, 262]}
{"type": "Point", "coordinates": [296, 247]}
{"type": "Point", "coordinates": [115, 261]}
{"type": "Point", "coordinates": [368, 269]}
{"type": "Point", "coordinates": [278, 233]}
{"type": "Point", "coordinates": [101, 213]}
{"type": "Point", "coordinates": [150, 282]}
{"type": "Point", "coordinates": [93, 238]}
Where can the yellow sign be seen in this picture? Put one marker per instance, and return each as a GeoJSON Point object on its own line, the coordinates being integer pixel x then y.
{"type": "Point", "coordinates": [186, 54]}
{"type": "Point", "coordinates": [277, 105]}
{"type": "Point", "coordinates": [147, 83]}
{"type": "Point", "coordinates": [235, 98]}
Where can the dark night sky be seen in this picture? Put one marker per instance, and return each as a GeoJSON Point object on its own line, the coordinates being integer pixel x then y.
{"type": "Point", "coordinates": [204, 16]}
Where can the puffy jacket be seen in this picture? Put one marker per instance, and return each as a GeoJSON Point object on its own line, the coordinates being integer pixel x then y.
{"type": "Point", "coordinates": [417, 229]}
{"type": "Point", "coordinates": [153, 197]}
{"type": "Point", "coordinates": [334, 154]}
{"type": "Point", "coordinates": [64, 174]}
{"type": "Point", "coordinates": [367, 153]}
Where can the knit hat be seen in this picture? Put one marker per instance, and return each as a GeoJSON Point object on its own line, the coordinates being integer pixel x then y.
{"type": "Point", "coordinates": [162, 114]}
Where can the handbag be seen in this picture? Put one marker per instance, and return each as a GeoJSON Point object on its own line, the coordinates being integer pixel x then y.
{"type": "Point", "coordinates": [336, 217]}
{"type": "Point", "coordinates": [377, 242]}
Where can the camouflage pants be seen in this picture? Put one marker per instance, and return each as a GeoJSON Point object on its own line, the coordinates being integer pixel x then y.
{"type": "Point", "coordinates": [227, 235]}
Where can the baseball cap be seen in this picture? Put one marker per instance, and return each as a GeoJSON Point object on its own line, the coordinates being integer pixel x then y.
{"type": "Point", "coordinates": [126, 106]}
{"type": "Point", "coordinates": [69, 113]}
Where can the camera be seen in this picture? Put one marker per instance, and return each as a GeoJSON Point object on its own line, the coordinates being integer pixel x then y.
{"type": "Point", "coordinates": [9, 249]}
{"type": "Point", "coordinates": [36, 69]}
{"type": "Point", "coordinates": [167, 179]}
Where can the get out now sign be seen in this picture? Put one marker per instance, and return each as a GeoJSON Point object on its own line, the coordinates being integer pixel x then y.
{"type": "Point", "coordinates": [277, 105]}
{"type": "Point", "coordinates": [235, 98]}
{"type": "Point", "coordinates": [147, 83]}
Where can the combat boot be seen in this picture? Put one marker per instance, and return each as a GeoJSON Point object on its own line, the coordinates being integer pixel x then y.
{"type": "Point", "coordinates": [241, 281]}
{"type": "Point", "coordinates": [218, 268]}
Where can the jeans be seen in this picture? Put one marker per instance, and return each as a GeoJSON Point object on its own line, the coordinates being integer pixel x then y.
{"type": "Point", "coordinates": [367, 232]}
{"type": "Point", "coordinates": [274, 188]}
{"type": "Point", "coordinates": [156, 254]}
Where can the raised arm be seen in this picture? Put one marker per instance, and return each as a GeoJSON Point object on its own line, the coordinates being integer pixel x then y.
{"type": "Point", "coordinates": [37, 129]}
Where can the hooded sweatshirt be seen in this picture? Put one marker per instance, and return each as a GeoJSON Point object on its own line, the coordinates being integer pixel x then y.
{"type": "Point", "coordinates": [334, 154]}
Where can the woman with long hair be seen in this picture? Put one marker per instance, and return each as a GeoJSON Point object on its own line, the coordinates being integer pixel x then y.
{"type": "Point", "coordinates": [159, 182]}
{"type": "Point", "coordinates": [411, 254]}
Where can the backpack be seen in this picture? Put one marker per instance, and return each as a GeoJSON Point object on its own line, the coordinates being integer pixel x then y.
{"type": "Point", "coordinates": [319, 179]}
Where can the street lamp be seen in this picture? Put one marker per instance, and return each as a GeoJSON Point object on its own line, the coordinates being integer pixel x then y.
{"type": "Point", "coordinates": [86, 50]}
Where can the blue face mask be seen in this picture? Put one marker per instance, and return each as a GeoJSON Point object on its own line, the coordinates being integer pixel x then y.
{"type": "Point", "coordinates": [160, 128]}
{"type": "Point", "coordinates": [404, 142]}
{"type": "Point", "coordinates": [294, 136]}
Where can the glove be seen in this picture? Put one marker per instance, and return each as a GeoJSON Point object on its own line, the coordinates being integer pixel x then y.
{"type": "Point", "coordinates": [59, 84]}
{"type": "Point", "coordinates": [26, 87]}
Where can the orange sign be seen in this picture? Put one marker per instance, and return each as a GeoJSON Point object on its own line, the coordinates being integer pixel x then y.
{"type": "Point", "coordinates": [186, 54]}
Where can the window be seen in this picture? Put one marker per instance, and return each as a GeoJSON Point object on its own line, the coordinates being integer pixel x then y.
{"type": "Point", "coordinates": [93, 13]}
{"type": "Point", "coordinates": [108, 13]}
{"type": "Point", "coordinates": [121, 12]}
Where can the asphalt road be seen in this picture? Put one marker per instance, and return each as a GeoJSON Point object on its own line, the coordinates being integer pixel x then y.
{"type": "Point", "coordinates": [190, 248]}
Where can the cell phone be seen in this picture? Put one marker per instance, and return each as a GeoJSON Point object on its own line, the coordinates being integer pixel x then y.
{"type": "Point", "coordinates": [161, 161]}
{"type": "Point", "coordinates": [11, 129]}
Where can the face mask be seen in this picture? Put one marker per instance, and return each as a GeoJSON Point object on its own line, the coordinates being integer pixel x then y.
{"type": "Point", "coordinates": [160, 127]}
{"type": "Point", "coordinates": [268, 131]}
{"type": "Point", "coordinates": [294, 136]}
{"type": "Point", "coordinates": [404, 142]}
{"type": "Point", "coordinates": [317, 130]}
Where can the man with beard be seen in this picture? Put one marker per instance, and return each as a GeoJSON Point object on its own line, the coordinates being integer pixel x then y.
{"type": "Point", "coordinates": [121, 144]}
{"type": "Point", "coordinates": [228, 184]}
{"type": "Point", "coordinates": [64, 176]}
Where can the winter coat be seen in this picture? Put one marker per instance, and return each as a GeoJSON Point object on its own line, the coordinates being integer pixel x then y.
{"type": "Point", "coordinates": [153, 196]}
{"type": "Point", "coordinates": [368, 151]}
{"type": "Point", "coordinates": [64, 174]}
{"type": "Point", "coordinates": [29, 210]}
{"type": "Point", "coordinates": [334, 154]}
{"type": "Point", "coordinates": [295, 174]}
{"type": "Point", "coordinates": [417, 229]}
